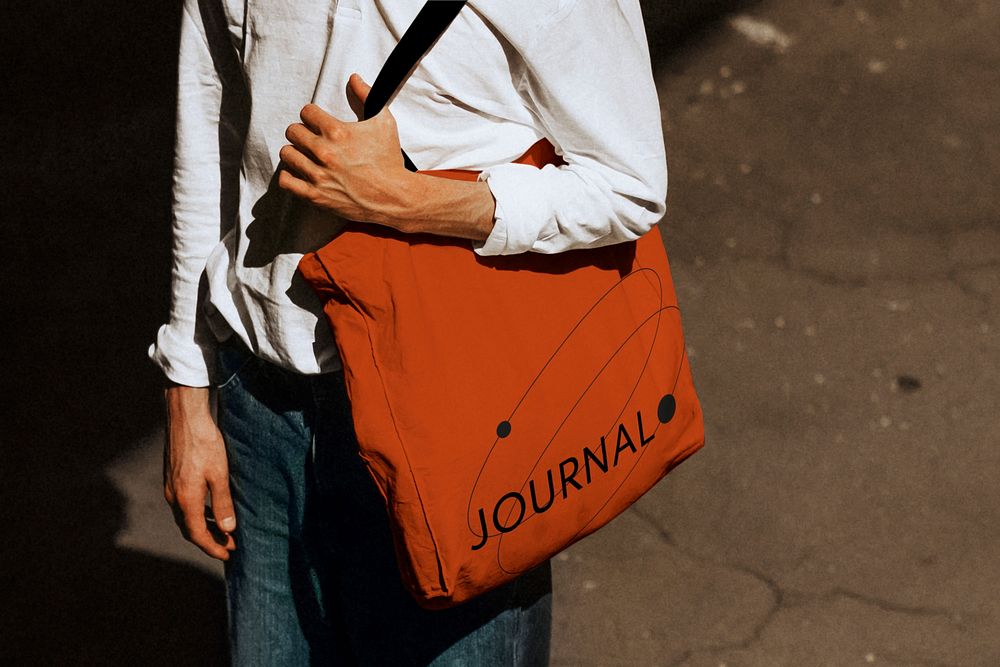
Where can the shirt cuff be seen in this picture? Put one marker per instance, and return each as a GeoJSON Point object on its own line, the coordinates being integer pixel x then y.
{"type": "Point", "coordinates": [181, 359]}
{"type": "Point", "coordinates": [518, 205]}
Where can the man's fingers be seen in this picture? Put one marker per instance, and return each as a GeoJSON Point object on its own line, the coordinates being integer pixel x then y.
{"type": "Point", "coordinates": [299, 162]}
{"type": "Point", "coordinates": [222, 503]}
{"type": "Point", "coordinates": [304, 139]}
{"type": "Point", "coordinates": [196, 527]}
{"type": "Point", "coordinates": [298, 187]}
{"type": "Point", "coordinates": [318, 120]}
{"type": "Point", "coordinates": [221, 537]}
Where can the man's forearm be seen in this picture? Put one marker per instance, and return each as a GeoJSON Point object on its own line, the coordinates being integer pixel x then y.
{"type": "Point", "coordinates": [443, 206]}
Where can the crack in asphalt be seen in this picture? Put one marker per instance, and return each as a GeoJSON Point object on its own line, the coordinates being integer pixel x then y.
{"type": "Point", "coordinates": [782, 599]}
{"type": "Point", "coordinates": [783, 257]}
{"type": "Point", "coordinates": [953, 617]}
{"type": "Point", "coordinates": [831, 279]}
{"type": "Point", "coordinates": [984, 307]}
{"type": "Point", "coordinates": [964, 285]}
{"type": "Point", "coordinates": [777, 594]}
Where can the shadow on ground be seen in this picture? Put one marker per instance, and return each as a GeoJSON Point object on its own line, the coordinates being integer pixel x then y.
{"type": "Point", "coordinates": [88, 141]}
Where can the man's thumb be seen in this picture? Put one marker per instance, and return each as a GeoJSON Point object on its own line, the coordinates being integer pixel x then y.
{"type": "Point", "coordinates": [360, 89]}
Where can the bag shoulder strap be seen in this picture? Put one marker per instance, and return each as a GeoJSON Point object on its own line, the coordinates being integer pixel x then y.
{"type": "Point", "coordinates": [430, 23]}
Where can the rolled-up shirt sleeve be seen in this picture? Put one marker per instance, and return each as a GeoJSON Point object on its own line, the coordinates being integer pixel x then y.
{"type": "Point", "coordinates": [588, 80]}
{"type": "Point", "coordinates": [183, 348]}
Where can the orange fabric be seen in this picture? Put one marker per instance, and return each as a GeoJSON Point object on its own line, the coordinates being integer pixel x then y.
{"type": "Point", "coordinates": [506, 406]}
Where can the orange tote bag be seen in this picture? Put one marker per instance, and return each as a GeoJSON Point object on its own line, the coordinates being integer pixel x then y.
{"type": "Point", "coordinates": [505, 406]}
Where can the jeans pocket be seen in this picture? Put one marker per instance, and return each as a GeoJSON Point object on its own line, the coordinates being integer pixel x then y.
{"type": "Point", "coordinates": [232, 360]}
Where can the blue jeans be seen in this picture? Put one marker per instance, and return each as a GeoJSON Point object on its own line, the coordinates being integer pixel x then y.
{"type": "Point", "coordinates": [313, 579]}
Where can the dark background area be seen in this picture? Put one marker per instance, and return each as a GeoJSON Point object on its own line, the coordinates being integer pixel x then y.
{"type": "Point", "coordinates": [87, 132]}
{"type": "Point", "coordinates": [88, 135]}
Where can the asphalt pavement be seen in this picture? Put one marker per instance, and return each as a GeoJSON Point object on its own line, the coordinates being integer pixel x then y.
{"type": "Point", "coordinates": [833, 230]}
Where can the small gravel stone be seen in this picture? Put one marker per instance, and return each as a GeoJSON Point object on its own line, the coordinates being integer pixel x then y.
{"type": "Point", "coordinates": [877, 66]}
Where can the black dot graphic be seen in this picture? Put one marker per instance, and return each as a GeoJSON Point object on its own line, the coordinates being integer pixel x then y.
{"type": "Point", "coordinates": [503, 429]}
{"type": "Point", "coordinates": [666, 409]}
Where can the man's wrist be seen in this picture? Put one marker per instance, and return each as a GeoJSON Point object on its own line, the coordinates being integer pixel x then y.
{"type": "Point", "coordinates": [443, 206]}
{"type": "Point", "coordinates": [395, 210]}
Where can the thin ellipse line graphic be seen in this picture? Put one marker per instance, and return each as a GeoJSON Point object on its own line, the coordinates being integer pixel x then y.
{"type": "Point", "coordinates": [617, 417]}
{"type": "Point", "coordinates": [638, 458]}
{"type": "Point", "coordinates": [548, 362]}
{"type": "Point", "coordinates": [610, 495]}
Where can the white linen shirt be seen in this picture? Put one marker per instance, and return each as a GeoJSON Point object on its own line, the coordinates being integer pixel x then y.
{"type": "Point", "coordinates": [505, 74]}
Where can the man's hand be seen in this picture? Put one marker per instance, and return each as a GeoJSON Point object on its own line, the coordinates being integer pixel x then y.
{"type": "Point", "coordinates": [194, 463]}
{"type": "Point", "coordinates": [356, 170]}
{"type": "Point", "coordinates": [353, 169]}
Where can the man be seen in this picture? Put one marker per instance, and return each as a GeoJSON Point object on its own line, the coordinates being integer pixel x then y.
{"type": "Point", "coordinates": [270, 159]}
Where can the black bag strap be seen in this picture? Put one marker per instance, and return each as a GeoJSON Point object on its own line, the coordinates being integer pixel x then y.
{"type": "Point", "coordinates": [431, 22]}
